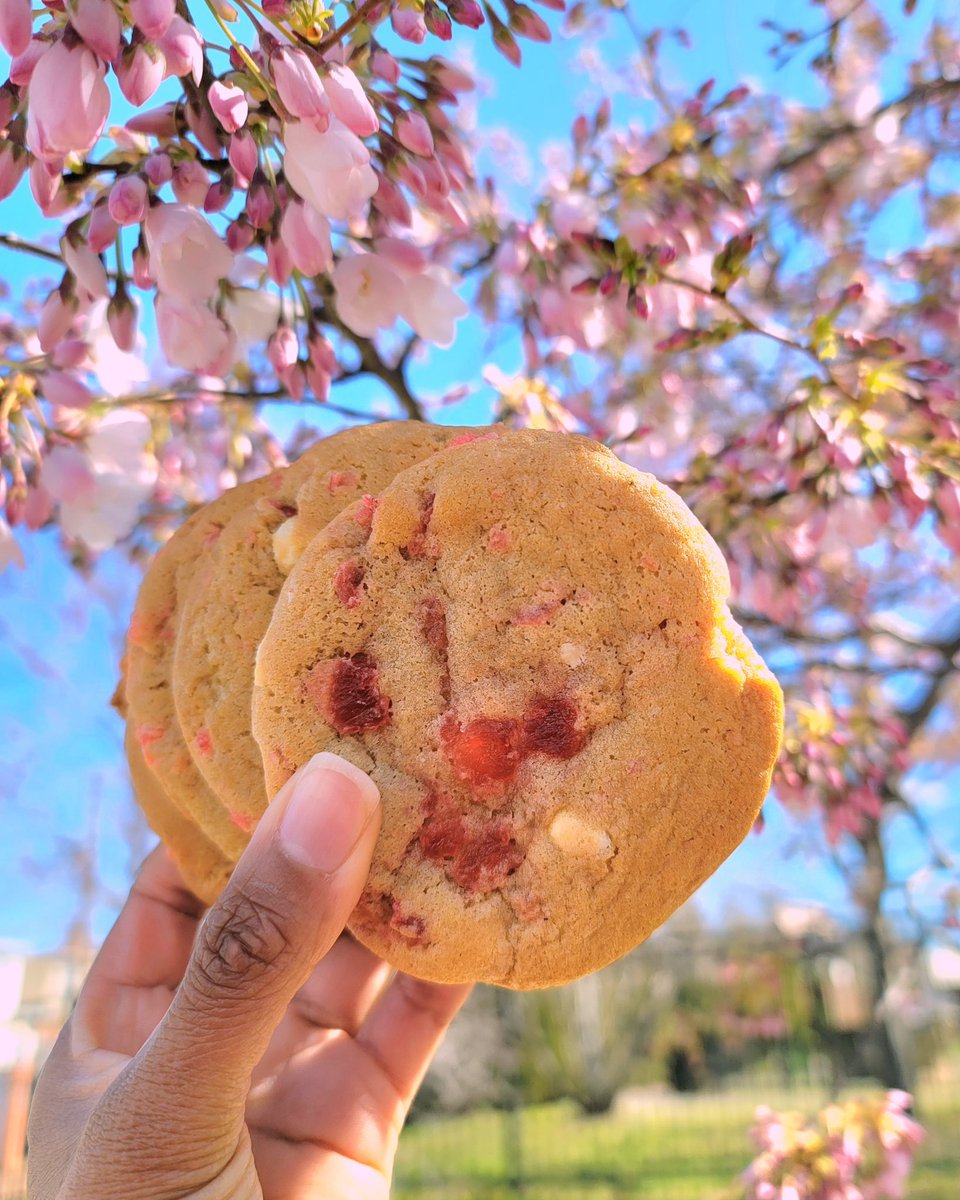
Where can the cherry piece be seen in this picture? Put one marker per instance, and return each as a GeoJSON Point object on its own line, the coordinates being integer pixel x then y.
{"type": "Point", "coordinates": [366, 507]}
{"type": "Point", "coordinates": [242, 821]}
{"type": "Point", "coordinates": [346, 582]}
{"type": "Point", "coordinates": [347, 694]}
{"type": "Point", "coordinates": [433, 622]}
{"type": "Point", "coordinates": [341, 479]}
{"type": "Point", "coordinates": [549, 727]}
{"type": "Point", "coordinates": [409, 926]}
{"type": "Point", "coordinates": [204, 742]}
{"type": "Point", "coordinates": [478, 859]}
{"type": "Point", "coordinates": [484, 751]}
{"type": "Point", "coordinates": [417, 546]}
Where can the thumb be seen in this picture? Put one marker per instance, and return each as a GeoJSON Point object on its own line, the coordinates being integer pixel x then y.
{"type": "Point", "coordinates": [286, 904]}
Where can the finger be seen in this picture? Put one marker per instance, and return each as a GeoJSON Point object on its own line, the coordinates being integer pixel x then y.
{"type": "Point", "coordinates": [338, 995]}
{"type": "Point", "coordinates": [287, 902]}
{"type": "Point", "coordinates": [406, 1026]}
{"type": "Point", "coordinates": [141, 963]}
{"type": "Point", "coordinates": [350, 1095]}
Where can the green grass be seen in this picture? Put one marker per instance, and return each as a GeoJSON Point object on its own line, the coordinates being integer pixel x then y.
{"type": "Point", "coordinates": [671, 1148]}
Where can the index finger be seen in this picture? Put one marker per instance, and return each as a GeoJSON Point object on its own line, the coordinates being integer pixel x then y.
{"type": "Point", "coordinates": [142, 961]}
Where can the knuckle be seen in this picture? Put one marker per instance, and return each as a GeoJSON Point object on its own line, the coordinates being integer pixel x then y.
{"type": "Point", "coordinates": [242, 939]}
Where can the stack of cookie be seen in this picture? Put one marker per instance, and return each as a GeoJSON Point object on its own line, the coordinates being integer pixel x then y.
{"type": "Point", "coordinates": [525, 643]}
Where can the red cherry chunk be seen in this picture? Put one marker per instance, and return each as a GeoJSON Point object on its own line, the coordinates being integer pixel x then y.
{"type": "Point", "coordinates": [417, 546]}
{"type": "Point", "coordinates": [346, 582]}
{"type": "Point", "coordinates": [346, 691]}
{"type": "Point", "coordinates": [549, 727]}
{"type": "Point", "coordinates": [479, 859]}
{"type": "Point", "coordinates": [433, 623]}
{"type": "Point", "coordinates": [485, 750]}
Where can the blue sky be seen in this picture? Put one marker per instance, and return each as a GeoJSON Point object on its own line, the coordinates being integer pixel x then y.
{"type": "Point", "coordinates": [62, 775]}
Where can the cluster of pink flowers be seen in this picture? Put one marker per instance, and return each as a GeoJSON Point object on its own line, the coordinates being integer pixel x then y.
{"type": "Point", "coordinates": [860, 1150]}
{"type": "Point", "coordinates": [286, 209]}
{"type": "Point", "coordinates": [839, 761]}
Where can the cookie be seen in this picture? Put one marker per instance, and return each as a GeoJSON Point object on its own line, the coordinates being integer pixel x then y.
{"type": "Point", "coordinates": [228, 606]}
{"type": "Point", "coordinates": [149, 659]}
{"type": "Point", "coordinates": [204, 869]}
{"type": "Point", "coordinates": [527, 645]}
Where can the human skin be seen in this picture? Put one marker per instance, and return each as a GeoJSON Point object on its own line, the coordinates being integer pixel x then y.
{"type": "Point", "coordinates": [255, 1052]}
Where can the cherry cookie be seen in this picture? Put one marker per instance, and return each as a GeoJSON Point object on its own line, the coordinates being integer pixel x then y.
{"type": "Point", "coordinates": [527, 645]}
{"type": "Point", "coordinates": [228, 604]}
{"type": "Point", "coordinates": [147, 694]}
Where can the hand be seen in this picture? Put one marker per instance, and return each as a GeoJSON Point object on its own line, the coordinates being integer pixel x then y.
{"type": "Point", "coordinates": [254, 1054]}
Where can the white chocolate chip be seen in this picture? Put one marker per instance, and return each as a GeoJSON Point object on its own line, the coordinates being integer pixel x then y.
{"type": "Point", "coordinates": [573, 836]}
{"type": "Point", "coordinates": [284, 546]}
{"type": "Point", "coordinates": [572, 654]}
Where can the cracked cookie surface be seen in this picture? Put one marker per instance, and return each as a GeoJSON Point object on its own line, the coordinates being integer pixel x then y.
{"type": "Point", "coordinates": [527, 644]}
{"type": "Point", "coordinates": [229, 603]}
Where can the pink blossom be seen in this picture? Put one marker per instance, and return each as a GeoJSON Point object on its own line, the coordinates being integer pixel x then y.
{"type": "Point", "coordinates": [152, 17]}
{"type": "Point", "coordinates": [45, 180]}
{"type": "Point", "coordinates": [452, 77]}
{"type": "Point", "coordinates": [187, 258]}
{"type": "Point", "coordinates": [384, 66]}
{"type": "Point", "coordinates": [68, 102]}
{"type": "Point", "coordinates": [190, 183]}
{"type": "Point", "coordinates": [13, 165]}
{"type": "Point", "coordinates": [140, 71]}
{"type": "Point", "coordinates": [22, 66]}
{"type": "Point", "coordinates": [389, 200]}
{"type": "Point", "coordinates": [321, 365]}
{"type": "Point", "coordinates": [369, 293]}
{"type": "Point", "coordinates": [122, 321]}
{"type": "Point", "coordinates": [412, 132]}
{"type": "Point", "coordinates": [218, 196]}
{"type": "Point", "coordinates": [279, 262]}
{"type": "Point", "coordinates": [71, 352]}
{"type": "Point", "coordinates": [100, 487]}
{"type": "Point", "coordinates": [408, 24]}
{"type": "Point", "coordinates": [575, 212]}
{"type": "Point", "coordinates": [128, 200]}
{"type": "Point", "coordinates": [229, 105]}
{"type": "Point", "coordinates": [193, 337]}
{"type": "Point", "coordinates": [283, 350]}
{"type": "Point", "coordinates": [182, 49]}
{"type": "Point", "coordinates": [10, 551]}
{"type": "Point", "coordinates": [66, 390]}
{"type": "Point", "coordinates": [16, 25]}
{"type": "Point", "coordinates": [349, 101]}
{"type": "Point", "coordinates": [160, 121]}
{"type": "Point", "coordinates": [56, 317]}
{"type": "Point", "coordinates": [261, 202]}
{"type": "Point", "coordinates": [242, 153]}
{"type": "Point", "coordinates": [306, 235]}
{"type": "Point", "coordinates": [431, 308]}
{"type": "Point", "coordinates": [98, 23]}
{"type": "Point", "coordinates": [85, 266]}
{"type": "Point", "coordinates": [140, 262]}
{"type": "Point", "coordinates": [329, 170]}
{"type": "Point", "coordinates": [102, 228]}
{"type": "Point", "coordinates": [300, 88]}
{"type": "Point", "coordinates": [240, 235]}
{"type": "Point", "coordinates": [401, 254]}
{"type": "Point", "coordinates": [158, 169]}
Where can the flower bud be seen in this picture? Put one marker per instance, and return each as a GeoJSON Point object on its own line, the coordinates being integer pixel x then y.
{"type": "Point", "coordinates": [102, 230]}
{"type": "Point", "coordinates": [98, 24]}
{"type": "Point", "coordinates": [229, 105]}
{"type": "Point", "coordinates": [152, 17]}
{"type": "Point", "coordinates": [413, 133]}
{"type": "Point", "coordinates": [122, 320]}
{"type": "Point", "coordinates": [16, 25]}
{"type": "Point", "coordinates": [139, 72]}
{"type": "Point", "coordinates": [128, 200]}
{"type": "Point", "coordinates": [158, 169]}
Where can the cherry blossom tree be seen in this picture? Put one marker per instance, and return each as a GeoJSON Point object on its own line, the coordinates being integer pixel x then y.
{"type": "Point", "coordinates": [727, 294]}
